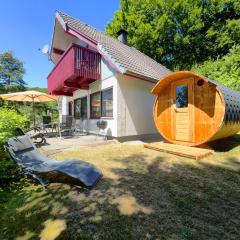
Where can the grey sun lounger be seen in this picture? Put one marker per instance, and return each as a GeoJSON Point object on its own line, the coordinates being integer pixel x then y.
{"type": "Point", "coordinates": [45, 169]}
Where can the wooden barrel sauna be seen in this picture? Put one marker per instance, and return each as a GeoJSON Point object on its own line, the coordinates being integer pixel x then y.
{"type": "Point", "coordinates": [191, 109]}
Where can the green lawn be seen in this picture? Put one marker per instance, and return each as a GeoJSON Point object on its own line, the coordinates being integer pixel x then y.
{"type": "Point", "coordinates": [144, 194]}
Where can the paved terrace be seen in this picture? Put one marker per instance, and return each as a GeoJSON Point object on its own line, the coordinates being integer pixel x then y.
{"type": "Point", "coordinates": [68, 143]}
{"type": "Point", "coordinates": [57, 144]}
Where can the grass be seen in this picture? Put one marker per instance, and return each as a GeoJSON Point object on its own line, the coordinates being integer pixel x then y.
{"type": "Point", "coordinates": [144, 194]}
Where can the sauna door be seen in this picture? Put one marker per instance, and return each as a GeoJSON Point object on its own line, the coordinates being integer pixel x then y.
{"type": "Point", "coordinates": [182, 110]}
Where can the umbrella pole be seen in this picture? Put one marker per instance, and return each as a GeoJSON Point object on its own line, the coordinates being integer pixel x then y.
{"type": "Point", "coordinates": [33, 107]}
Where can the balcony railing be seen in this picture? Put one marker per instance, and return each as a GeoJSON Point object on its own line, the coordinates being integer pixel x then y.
{"type": "Point", "coordinates": [77, 67]}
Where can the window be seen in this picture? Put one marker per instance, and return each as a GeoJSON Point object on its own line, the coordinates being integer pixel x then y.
{"type": "Point", "coordinates": [182, 96]}
{"type": "Point", "coordinates": [107, 103]}
{"type": "Point", "coordinates": [77, 108]}
{"type": "Point", "coordinates": [102, 104]}
{"type": "Point", "coordinates": [70, 108]}
{"type": "Point", "coordinates": [95, 105]}
{"type": "Point", "coordinates": [80, 108]}
{"type": "Point", "coordinates": [84, 107]}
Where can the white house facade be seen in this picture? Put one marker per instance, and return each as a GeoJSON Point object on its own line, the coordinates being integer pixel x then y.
{"type": "Point", "coordinates": [103, 80]}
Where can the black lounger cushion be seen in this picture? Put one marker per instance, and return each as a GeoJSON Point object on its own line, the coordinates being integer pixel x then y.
{"type": "Point", "coordinates": [33, 162]}
{"type": "Point", "coordinates": [20, 144]}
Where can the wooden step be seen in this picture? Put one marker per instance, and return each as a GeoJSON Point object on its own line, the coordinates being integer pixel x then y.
{"type": "Point", "coordinates": [180, 150]}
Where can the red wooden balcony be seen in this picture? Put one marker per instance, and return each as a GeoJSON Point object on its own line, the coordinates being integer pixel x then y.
{"type": "Point", "coordinates": [77, 68]}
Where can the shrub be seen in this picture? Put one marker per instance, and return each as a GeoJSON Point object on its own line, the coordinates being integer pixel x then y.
{"type": "Point", "coordinates": [9, 171]}
{"type": "Point", "coordinates": [9, 121]}
{"type": "Point", "coordinates": [225, 70]}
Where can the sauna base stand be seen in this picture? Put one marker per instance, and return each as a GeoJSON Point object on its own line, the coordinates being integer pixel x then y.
{"type": "Point", "coordinates": [180, 150]}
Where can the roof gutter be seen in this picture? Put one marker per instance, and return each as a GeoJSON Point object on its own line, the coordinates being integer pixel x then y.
{"type": "Point", "coordinates": [134, 75]}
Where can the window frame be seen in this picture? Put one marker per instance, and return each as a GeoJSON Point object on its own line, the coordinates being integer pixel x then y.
{"type": "Point", "coordinates": [106, 117]}
{"type": "Point", "coordinates": [100, 114]}
{"type": "Point", "coordinates": [91, 95]}
{"type": "Point", "coordinates": [74, 108]}
{"type": "Point", "coordinates": [185, 101]}
{"type": "Point", "coordinates": [85, 117]}
{"type": "Point", "coordinates": [70, 108]}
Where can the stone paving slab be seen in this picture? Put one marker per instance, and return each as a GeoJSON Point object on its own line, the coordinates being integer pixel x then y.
{"type": "Point", "coordinates": [56, 145]}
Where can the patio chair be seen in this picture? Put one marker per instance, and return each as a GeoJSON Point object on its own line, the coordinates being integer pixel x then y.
{"type": "Point", "coordinates": [46, 123]}
{"type": "Point", "coordinates": [48, 127]}
{"type": "Point", "coordinates": [78, 127]}
{"type": "Point", "coordinates": [46, 170]}
{"type": "Point", "coordinates": [66, 125]}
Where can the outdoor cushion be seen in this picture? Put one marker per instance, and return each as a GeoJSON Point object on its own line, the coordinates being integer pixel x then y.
{"type": "Point", "coordinates": [46, 169]}
{"type": "Point", "coordinates": [20, 144]}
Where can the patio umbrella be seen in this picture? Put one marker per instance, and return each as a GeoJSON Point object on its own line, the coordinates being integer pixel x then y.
{"type": "Point", "coordinates": [28, 96]}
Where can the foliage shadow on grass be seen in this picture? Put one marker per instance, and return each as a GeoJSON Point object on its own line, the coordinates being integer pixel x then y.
{"type": "Point", "coordinates": [147, 201]}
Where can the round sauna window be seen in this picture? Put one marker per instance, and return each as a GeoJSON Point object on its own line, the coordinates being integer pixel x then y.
{"type": "Point", "coordinates": [200, 82]}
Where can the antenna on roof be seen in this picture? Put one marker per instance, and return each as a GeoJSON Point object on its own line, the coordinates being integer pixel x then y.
{"type": "Point", "coordinates": [44, 49]}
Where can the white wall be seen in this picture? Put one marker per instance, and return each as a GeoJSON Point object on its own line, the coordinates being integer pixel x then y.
{"type": "Point", "coordinates": [135, 104]}
{"type": "Point", "coordinates": [64, 105]}
{"type": "Point", "coordinates": [132, 105]}
{"type": "Point", "coordinates": [111, 129]}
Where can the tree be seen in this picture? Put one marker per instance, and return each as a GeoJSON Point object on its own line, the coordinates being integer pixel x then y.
{"type": "Point", "coordinates": [11, 73]}
{"type": "Point", "coordinates": [225, 70]}
{"type": "Point", "coordinates": [179, 33]}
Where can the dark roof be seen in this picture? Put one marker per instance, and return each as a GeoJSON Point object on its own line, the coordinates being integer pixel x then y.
{"type": "Point", "coordinates": [125, 57]}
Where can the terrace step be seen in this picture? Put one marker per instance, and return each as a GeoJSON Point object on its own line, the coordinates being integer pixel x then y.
{"type": "Point", "coordinates": [180, 150]}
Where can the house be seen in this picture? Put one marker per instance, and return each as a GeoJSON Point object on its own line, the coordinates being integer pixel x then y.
{"type": "Point", "coordinates": [102, 78]}
{"type": "Point", "coordinates": [191, 109]}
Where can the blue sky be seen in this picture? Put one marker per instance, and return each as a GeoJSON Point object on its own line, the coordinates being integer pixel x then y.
{"type": "Point", "coordinates": [27, 25]}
